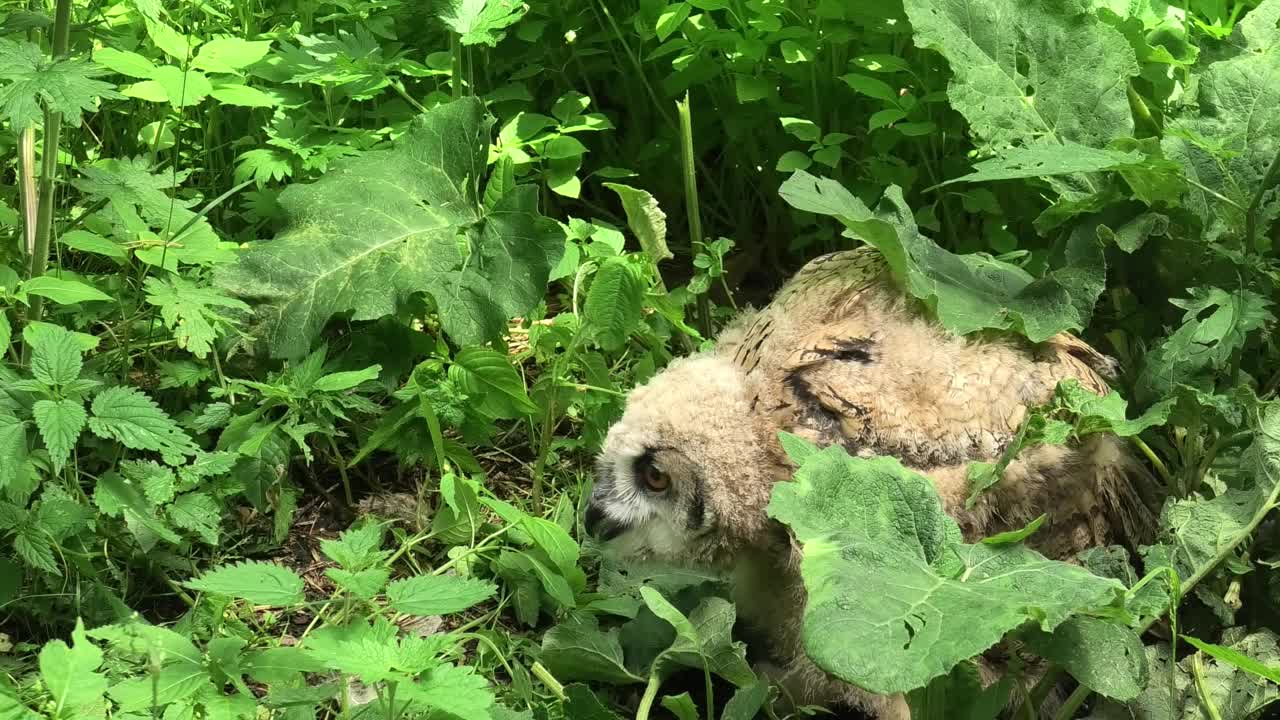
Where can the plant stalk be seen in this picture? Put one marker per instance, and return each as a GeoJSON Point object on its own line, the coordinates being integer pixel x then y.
{"type": "Point", "coordinates": [1251, 215]}
{"type": "Point", "coordinates": [650, 694]}
{"type": "Point", "coordinates": [691, 204]}
{"type": "Point", "coordinates": [39, 259]}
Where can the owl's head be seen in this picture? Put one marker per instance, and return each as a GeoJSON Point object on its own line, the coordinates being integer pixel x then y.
{"type": "Point", "coordinates": [685, 475]}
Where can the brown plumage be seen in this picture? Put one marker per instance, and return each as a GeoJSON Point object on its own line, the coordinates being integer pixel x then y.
{"type": "Point", "coordinates": [842, 357]}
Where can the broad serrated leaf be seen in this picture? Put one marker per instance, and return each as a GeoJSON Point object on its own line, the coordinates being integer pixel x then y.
{"type": "Point", "coordinates": [60, 423]}
{"type": "Point", "coordinates": [489, 378]}
{"type": "Point", "coordinates": [968, 292]}
{"type": "Point", "coordinates": [645, 219]}
{"type": "Point", "coordinates": [34, 81]}
{"type": "Point", "coordinates": [437, 594]}
{"type": "Point", "coordinates": [613, 303]}
{"type": "Point", "coordinates": [452, 689]}
{"type": "Point", "coordinates": [127, 415]}
{"type": "Point", "coordinates": [481, 21]}
{"type": "Point", "coordinates": [199, 513]}
{"type": "Point", "coordinates": [357, 547]}
{"type": "Point", "coordinates": [63, 292]}
{"type": "Point", "coordinates": [929, 613]}
{"type": "Point", "coordinates": [154, 480]}
{"type": "Point", "coordinates": [70, 675]}
{"type": "Point", "coordinates": [1030, 71]}
{"type": "Point", "coordinates": [578, 649]}
{"type": "Point", "coordinates": [364, 584]}
{"type": "Point", "coordinates": [259, 583]}
{"type": "Point", "coordinates": [383, 225]}
{"type": "Point", "coordinates": [55, 356]}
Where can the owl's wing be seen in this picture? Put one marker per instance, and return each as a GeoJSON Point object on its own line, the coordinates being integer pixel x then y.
{"type": "Point", "coordinates": [897, 385]}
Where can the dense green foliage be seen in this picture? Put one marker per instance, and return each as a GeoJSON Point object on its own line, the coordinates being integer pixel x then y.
{"type": "Point", "coordinates": [313, 312]}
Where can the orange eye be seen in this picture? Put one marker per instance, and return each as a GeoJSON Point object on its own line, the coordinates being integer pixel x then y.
{"type": "Point", "coordinates": [655, 479]}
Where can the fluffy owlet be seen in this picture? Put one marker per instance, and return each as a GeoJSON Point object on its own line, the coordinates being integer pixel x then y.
{"type": "Point", "coordinates": [841, 356]}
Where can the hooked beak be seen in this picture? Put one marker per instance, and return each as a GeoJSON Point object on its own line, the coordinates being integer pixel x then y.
{"type": "Point", "coordinates": [598, 524]}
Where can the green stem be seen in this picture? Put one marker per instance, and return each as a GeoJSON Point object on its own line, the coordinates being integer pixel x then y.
{"type": "Point", "coordinates": [455, 49]}
{"type": "Point", "coordinates": [39, 261]}
{"type": "Point", "coordinates": [691, 204]}
{"type": "Point", "coordinates": [555, 686]}
{"type": "Point", "coordinates": [1197, 672]}
{"type": "Point", "coordinates": [650, 694]}
{"type": "Point", "coordinates": [342, 470]}
{"type": "Point", "coordinates": [1251, 215]}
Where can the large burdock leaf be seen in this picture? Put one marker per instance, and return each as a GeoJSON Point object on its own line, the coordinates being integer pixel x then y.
{"type": "Point", "coordinates": [391, 222]}
{"type": "Point", "coordinates": [1048, 70]}
{"type": "Point", "coordinates": [1227, 146]}
{"type": "Point", "coordinates": [895, 598]}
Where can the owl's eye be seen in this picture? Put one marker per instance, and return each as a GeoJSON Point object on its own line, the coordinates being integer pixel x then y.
{"type": "Point", "coordinates": [653, 478]}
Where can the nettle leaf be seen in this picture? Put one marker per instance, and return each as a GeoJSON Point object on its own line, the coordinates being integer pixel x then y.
{"type": "Point", "coordinates": [481, 21]}
{"type": "Point", "coordinates": [578, 649]}
{"type": "Point", "coordinates": [1228, 145]}
{"type": "Point", "coordinates": [199, 513]}
{"type": "Point", "coordinates": [388, 223]}
{"type": "Point", "coordinates": [357, 547]}
{"type": "Point", "coordinates": [939, 601]}
{"type": "Point", "coordinates": [455, 690]}
{"type": "Point", "coordinates": [187, 309]}
{"type": "Point", "coordinates": [127, 415]}
{"type": "Point", "coordinates": [437, 594]}
{"type": "Point", "coordinates": [60, 423]}
{"type": "Point", "coordinates": [968, 292]}
{"type": "Point", "coordinates": [703, 639]}
{"type": "Point", "coordinates": [70, 674]}
{"type": "Point", "coordinates": [613, 305]}
{"type": "Point", "coordinates": [364, 584]}
{"type": "Point", "coordinates": [1028, 71]}
{"type": "Point", "coordinates": [259, 583]}
{"type": "Point", "coordinates": [34, 81]}
{"type": "Point", "coordinates": [55, 356]}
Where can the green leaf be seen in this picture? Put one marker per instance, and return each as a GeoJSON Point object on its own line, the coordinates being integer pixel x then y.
{"type": "Point", "coordinates": [70, 674]}
{"type": "Point", "coordinates": [63, 292]}
{"type": "Point", "coordinates": [645, 219]}
{"type": "Point", "coordinates": [1106, 657]}
{"type": "Point", "coordinates": [1047, 159]}
{"type": "Point", "coordinates": [55, 357]}
{"type": "Point", "coordinates": [703, 640]}
{"type": "Point", "coordinates": [452, 689]}
{"type": "Point", "coordinates": [364, 584]}
{"type": "Point", "coordinates": [60, 423]}
{"type": "Point", "coordinates": [582, 704]}
{"type": "Point", "coordinates": [33, 81]}
{"type": "Point", "coordinates": [388, 223]}
{"type": "Point", "coordinates": [746, 702]}
{"type": "Point", "coordinates": [802, 129]}
{"type": "Point", "coordinates": [259, 583]}
{"type": "Point", "coordinates": [670, 19]}
{"type": "Point", "coordinates": [1028, 71]}
{"type": "Point", "coordinates": [681, 706]}
{"type": "Point", "coordinates": [487, 376]}
{"type": "Point", "coordinates": [613, 303]}
{"type": "Point", "coordinates": [357, 547]}
{"type": "Point", "coordinates": [199, 513]}
{"type": "Point", "coordinates": [36, 332]}
{"type": "Point", "coordinates": [189, 311]}
{"type": "Point", "coordinates": [1237, 659]}
{"type": "Point", "coordinates": [127, 415]}
{"type": "Point", "coordinates": [228, 55]}
{"type": "Point", "coordinates": [1014, 536]}
{"type": "Point", "coordinates": [183, 88]}
{"type": "Point", "coordinates": [340, 381]}
{"type": "Point", "coordinates": [968, 292]}
{"type": "Point", "coordinates": [230, 92]}
{"type": "Point", "coordinates": [125, 62]}
{"type": "Point", "coordinates": [481, 21]}
{"type": "Point", "coordinates": [871, 87]}
{"type": "Point", "coordinates": [85, 241]}
{"type": "Point", "coordinates": [578, 649]}
{"type": "Point", "coordinates": [793, 160]}
{"type": "Point", "coordinates": [939, 601]}
{"type": "Point", "coordinates": [437, 594]}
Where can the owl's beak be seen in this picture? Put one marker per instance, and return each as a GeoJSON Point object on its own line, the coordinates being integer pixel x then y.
{"type": "Point", "coordinates": [598, 523]}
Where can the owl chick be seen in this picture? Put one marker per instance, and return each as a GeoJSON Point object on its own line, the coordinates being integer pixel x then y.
{"type": "Point", "coordinates": [841, 356]}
